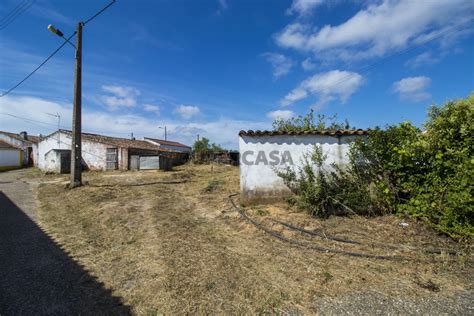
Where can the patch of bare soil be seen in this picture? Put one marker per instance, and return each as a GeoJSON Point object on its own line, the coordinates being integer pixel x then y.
{"type": "Point", "coordinates": [170, 242]}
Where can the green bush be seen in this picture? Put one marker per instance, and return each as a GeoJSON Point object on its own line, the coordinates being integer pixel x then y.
{"type": "Point", "coordinates": [401, 170]}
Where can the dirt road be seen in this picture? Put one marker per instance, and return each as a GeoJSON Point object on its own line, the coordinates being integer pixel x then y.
{"type": "Point", "coordinates": [37, 276]}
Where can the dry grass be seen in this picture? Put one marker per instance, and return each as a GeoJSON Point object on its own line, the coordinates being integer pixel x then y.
{"type": "Point", "coordinates": [179, 248]}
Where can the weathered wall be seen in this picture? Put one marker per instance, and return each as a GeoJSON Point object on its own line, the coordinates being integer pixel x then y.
{"type": "Point", "coordinates": [261, 156]}
{"type": "Point", "coordinates": [93, 153]}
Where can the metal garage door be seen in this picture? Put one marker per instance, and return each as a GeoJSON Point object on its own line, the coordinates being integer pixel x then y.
{"type": "Point", "coordinates": [149, 162]}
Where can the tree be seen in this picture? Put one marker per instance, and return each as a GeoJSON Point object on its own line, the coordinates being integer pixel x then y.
{"type": "Point", "coordinates": [309, 123]}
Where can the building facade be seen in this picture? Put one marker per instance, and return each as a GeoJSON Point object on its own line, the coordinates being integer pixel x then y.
{"type": "Point", "coordinates": [99, 153]}
{"type": "Point", "coordinates": [263, 153]}
{"type": "Point", "coordinates": [28, 145]}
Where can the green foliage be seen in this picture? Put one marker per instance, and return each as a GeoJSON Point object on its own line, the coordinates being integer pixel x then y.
{"type": "Point", "coordinates": [401, 170]}
{"type": "Point", "coordinates": [309, 122]}
{"type": "Point", "coordinates": [202, 145]}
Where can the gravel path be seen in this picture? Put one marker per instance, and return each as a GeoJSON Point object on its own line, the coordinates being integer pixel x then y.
{"type": "Point", "coordinates": [37, 276]}
{"type": "Point", "coordinates": [373, 303]}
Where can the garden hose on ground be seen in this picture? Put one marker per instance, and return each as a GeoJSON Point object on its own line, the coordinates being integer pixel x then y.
{"type": "Point", "coordinates": [305, 244]}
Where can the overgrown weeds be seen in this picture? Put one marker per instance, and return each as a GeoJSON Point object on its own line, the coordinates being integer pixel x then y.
{"type": "Point", "coordinates": [400, 169]}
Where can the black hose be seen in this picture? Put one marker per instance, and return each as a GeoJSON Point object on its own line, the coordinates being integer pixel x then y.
{"type": "Point", "coordinates": [317, 233]}
{"type": "Point", "coordinates": [304, 244]}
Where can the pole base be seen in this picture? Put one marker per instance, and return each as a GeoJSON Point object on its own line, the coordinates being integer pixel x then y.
{"type": "Point", "coordinates": [74, 184]}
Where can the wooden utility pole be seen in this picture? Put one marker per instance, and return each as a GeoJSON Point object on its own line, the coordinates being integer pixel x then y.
{"type": "Point", "coordinates": [76, 154]}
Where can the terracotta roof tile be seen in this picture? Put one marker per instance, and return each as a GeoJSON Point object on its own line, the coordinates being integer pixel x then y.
{"type": "Point", "coordinates": [312, 132]}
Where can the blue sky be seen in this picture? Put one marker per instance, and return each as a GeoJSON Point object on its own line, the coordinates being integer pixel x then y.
{"type": "Point", "coordinates": [215, 67]}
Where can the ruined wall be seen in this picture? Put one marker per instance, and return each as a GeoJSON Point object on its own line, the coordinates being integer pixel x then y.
{"type": "Point", "coordinates": [261, 156]}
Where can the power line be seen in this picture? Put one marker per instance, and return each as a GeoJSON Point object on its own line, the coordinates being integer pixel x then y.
{"type": "Point", "coordinates": [37, 68]}
{"type": "Point", "coordinates": [100, 12]}
{"type": "Point", "coordinates": [61, 126]}
{"type": "Point", "coordinates": [16, 12]}
{"type": "Point", "coordinates": [55, 52]}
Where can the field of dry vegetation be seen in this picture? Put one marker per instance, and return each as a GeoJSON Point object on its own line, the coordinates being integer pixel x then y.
{"type": "Point", "coordinates": [170, 242]}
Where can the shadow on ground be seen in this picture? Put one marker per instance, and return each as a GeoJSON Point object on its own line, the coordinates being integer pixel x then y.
{"type": "Point", "coordinates": [38, 277]}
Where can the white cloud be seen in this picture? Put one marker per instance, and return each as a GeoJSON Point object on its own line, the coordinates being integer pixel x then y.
{"type": "Point", "coordinates": [327, 86]}
{"type": "Point", "coordinates": [152, 108]}
{"type": "Point", "coordinates": [308, 64]}
{"type": "Point", "coordinates": [412, 88]}
{"type": "Point", "coordinates": [223, 131]}
{"type": "Point", "coordinates": [422, 59]}
{"type": "Point", "coordinates": [303, 7]}
{"type": "Point", "coordinates": [281, 64]}
{"type": "Point", "coordinates": [378, 29]}
{"type": "Point", "coordinates": [187, 111]}
{"type": "Point", "coordinates": [280, 114]}
{"type": "Point", "coordinates": [121, 96]}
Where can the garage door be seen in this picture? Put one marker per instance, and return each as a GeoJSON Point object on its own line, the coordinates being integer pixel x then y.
{"type": "Point", "coordinates": [149, 162]}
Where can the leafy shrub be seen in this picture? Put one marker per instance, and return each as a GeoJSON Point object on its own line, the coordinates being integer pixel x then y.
{"type": "Point", "coordinates": [401, 170]}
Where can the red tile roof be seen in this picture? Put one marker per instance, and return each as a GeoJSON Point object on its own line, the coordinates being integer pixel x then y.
{"type": "Point", "coordinates": [313, 132]}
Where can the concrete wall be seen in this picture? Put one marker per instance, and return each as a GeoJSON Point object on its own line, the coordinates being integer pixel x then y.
{"type": "Point", "coordinates": [10, 158]}
{"type": "Point", "coordinates": [261, 156]}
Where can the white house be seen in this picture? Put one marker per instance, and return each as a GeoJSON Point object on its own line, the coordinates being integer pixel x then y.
{"type": "Point", "coordinates": [10, 157]}
{"type": "Point", "coordinates": [262, 153]}
{"type": "Point", "coordinates": [28, 144]}
{"type": "Point", "coordinates": [101, 152]}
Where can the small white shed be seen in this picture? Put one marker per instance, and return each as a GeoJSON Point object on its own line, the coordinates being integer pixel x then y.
{"type": "Point", "coordinates": [263, 153]}
{"type": "Point", "coordinates": [10, 157]}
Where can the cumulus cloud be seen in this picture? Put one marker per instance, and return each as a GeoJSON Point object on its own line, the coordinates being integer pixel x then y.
{"type": "Point", "coordinates": [187, 111]}
{"type": "Point", "coordinates": [379, 28]}
{"type": "Point", "coordinates": [326, 86]}
{"type": "Point", "coordinates": [280, 114]}
{"type": "Point", "coordinates": [152, 108]}
{"type": "Point", "coordinates": [31, 111]}
{"type": "Point", "coordinates": [412, 88]}
{"type": "Point", "coordinates": [303, 7]}
{"type": "Point", "coordinates": [281, 64]}
{"type": "Point", "coordinates": [120, 96]}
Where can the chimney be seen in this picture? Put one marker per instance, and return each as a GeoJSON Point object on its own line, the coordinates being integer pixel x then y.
{"type": "Point", "coordinates": [24, 135]}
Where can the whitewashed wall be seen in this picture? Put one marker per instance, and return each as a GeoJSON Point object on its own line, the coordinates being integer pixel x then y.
{"type": "Point", "coordinates": [259, 181]}
{"type": "Point", "coordinates": [23, 146]}
{"type": "Point", "coordinates": [10, 157]}
{"type": "Point", "coordinates": [93, 153]}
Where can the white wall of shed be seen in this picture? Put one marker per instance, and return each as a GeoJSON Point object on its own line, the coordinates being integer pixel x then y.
{"type": "Point", "coordinates": [10, 157]}
{"type": "Point", "coordinates": [93, 153]}
{"type": "Point", "coordinates": [261, 181]}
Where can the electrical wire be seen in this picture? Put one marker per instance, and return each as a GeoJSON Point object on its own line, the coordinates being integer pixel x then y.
{"type": "Point", "coordinates": [55, 52]}
{"type": "Point", "coordinates": [100, 12]}
{"type": "Point", "coordinates": [37, 68]}
{"type": "Point", "coordinates": [64, 127]}
{"type": "Point", "coordinates": [15, 13]}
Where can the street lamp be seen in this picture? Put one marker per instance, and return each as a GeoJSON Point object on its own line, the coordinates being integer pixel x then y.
{"type": "Point", "coordinates": [76, 154]}
{"type": "Point", "coordinates": [165, 132]}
